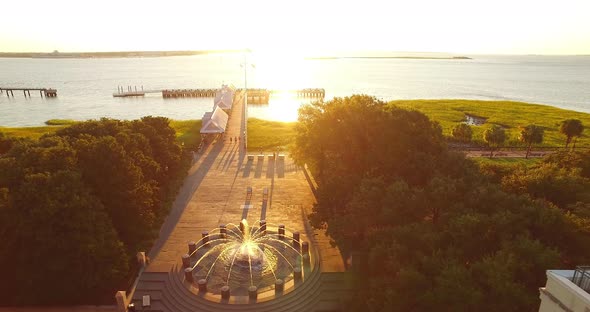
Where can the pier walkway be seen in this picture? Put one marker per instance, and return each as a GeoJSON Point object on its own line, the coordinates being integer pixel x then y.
{"type": "Point", "coordinates": [255, 96]}
{"type": "Point", "coordinates": [47, 92]}
{"type": "Point", "coordinates": [214, 193]}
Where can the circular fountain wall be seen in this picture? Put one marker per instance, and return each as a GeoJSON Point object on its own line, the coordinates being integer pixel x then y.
{"type": "Point", "coordinates": [241, 257]}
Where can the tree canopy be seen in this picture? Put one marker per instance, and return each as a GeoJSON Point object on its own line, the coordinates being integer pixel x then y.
{"type": "Point", "coordinates": [437, 234]}
{"type": "Point", "coordinates": [75, 207]}
{"type": "Point", "coordinates": [571, 128]}
{"type": "Point", "coordinates": [494, 136]}
{"type": "Point", "coordinates": [462, 132]}
{"type": "Point", "coordinates": [530, 135]}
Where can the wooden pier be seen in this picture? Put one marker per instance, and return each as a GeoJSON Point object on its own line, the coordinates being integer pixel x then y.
{"type": "Point", "coordinates": [305, 93]}
{"type": "Point", "coordinates": [255, 96]}
{"type": "Point", "coordinates": [189, 93]}
{"type": "Point", "coordinates": [167, 93]}
{"type": "Point", "coordinates": [47, 92]}
{"type": "Point", "coordinates": [258, 96]}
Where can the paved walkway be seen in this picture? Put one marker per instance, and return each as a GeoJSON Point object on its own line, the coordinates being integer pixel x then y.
{"type": "Point", "coordinates": [507, 154]}
{"type": "Point", "coordinates": [214, 193]}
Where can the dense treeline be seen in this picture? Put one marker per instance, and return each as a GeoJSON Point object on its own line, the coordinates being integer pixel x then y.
{"type": "Point", "coordinates": [439, 233]}
{"type": "Point", "coordinates": [75, 207]}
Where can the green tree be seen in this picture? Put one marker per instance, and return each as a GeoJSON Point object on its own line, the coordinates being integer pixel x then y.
{"type": "Point", "coordinates": [494, 137]}
{"type": "Point", "coordinates": [571, 160]}
{"type": "Point", "coordinates": [5, 143]}
{"type": "Point", "coordinates": [437, 234]}
{"type": "Point", "coordinates": [462, 132]}
{"type": "Point", "coordinates": [51, 222]}
{"type": "Point", "coordinates": [530, 135]}
{"type": "Point", "coordinates": [571, 128]}
{"type": "Point", "coordinates": [77, 204]}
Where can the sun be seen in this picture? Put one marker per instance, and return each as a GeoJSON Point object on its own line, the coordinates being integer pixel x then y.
{"type": "Point", "coordinates": [281, 72]}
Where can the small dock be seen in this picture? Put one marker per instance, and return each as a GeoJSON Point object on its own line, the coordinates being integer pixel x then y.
{"type": "Point", "coordinates": [47, 92]}
{"type": "Point", "coordinates": [131, 92]}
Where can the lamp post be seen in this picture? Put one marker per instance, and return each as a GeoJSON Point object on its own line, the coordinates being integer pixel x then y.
{"type": "Point", "coordinates": [245, 101]}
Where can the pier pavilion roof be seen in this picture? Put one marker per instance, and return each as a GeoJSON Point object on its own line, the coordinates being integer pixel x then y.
{"type": "Point", "coordinates": [216, 122]}
{"type": "Point", "coordinates": [224, 100]}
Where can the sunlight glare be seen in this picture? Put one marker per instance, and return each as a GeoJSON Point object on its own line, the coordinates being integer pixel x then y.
{"type": "Point", "coordinates": [282, 72]}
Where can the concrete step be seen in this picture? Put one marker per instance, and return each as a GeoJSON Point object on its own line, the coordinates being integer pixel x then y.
{"type": "Point", "coordinates": [154, 294]}
{"type": "Point", "coordinates": [148, 285]}
{"type": "Point", "coordinates": [154, 276]}
{"type": "Point", "coordinates": [175, 294]}
{"type": "Point", "coordinates": [297, 300]}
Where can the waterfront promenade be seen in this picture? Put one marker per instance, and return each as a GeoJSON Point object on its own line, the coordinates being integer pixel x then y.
{"type": "Point", "coordinates": [214, 193]}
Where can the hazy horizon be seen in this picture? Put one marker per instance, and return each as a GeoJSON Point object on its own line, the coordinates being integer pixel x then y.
{"type": "Point", "coordinates": [331, 53]}
{"type": "Point", "coordinates": [503, 27]}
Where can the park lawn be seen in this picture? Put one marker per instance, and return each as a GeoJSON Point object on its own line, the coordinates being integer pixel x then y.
{"type": "Point", "coordinates": [506, 161]}
{"type": "Point", "coordinates": [60, 122]}
{"type": "Point", "coordinates": [270, 135]}
{"type": "Point", "coordinates": [29, 132]}
{"type": "Point", "coordinates": [510, 115]}
{"type": "Point", "coordinates": [187, 131]}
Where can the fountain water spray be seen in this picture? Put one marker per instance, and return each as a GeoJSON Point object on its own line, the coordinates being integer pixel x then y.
{"type": "Point", "coordinates": [244, 259]}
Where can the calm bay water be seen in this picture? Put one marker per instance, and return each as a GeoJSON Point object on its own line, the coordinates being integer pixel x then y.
{"type": "Point", "coordinates": [85, 86]}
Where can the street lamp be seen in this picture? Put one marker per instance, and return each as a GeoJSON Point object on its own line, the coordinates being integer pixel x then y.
{"type": "Point", "coordinates": [245, 113]}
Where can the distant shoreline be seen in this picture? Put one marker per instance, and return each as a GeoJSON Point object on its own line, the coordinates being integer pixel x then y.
{"type": "Point", "coordinates": [134, 54]}
{"type": "Point", "coordinates": [391, 57]}
{"type": "Point", "coordinates": [66, 55]}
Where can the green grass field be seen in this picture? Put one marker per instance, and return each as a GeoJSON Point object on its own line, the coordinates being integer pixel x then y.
{"type": "Point", "coordinates": [508, 114]}
{"type": "Point", "coordinates": [187, 131]}
{"type": "Point", "coordinates": [29, 132]}
{"type": "Point", "coordinates": [60, 122]}
{"type": "Point", "coordinates": [506, 161]}
{"type": "Point", "coordinates": [268, 135]}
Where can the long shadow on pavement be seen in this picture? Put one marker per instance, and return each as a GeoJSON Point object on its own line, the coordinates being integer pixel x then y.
{"type": "Point", "coordinates": [270, 169]}
{"type": "Point", "coordinates": [258, 171]}
{"type": "Point", "coordinates": [281, 168]}
{"type": "Point", "coordinates": [263, 210]}
{"type": "Point", "coordinates": [245, 210]}
{"type": "Point", "coordinates": [189, 187]}
{"type": "Point", "coordinates": [247, 169]}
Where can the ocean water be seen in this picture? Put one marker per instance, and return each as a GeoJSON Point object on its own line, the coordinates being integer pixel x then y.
{"type": "Point", "coordinates": [85, 86]}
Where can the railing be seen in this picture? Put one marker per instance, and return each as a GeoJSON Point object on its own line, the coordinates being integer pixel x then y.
{"type": "Point", "coordinates": [582, 277]}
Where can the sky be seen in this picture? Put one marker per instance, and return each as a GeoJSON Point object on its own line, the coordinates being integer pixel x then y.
{"type": "Point", "coordinates": [302, 26]}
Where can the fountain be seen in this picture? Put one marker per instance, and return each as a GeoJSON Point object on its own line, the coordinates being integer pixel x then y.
{"type": "Point", "coordinates": [240, 260]}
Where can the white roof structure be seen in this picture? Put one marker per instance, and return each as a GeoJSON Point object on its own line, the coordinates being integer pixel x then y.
{"type": "Point", "coordinates": [224, 99]}
{"type": "Point", "coordinates": [214, 122]}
